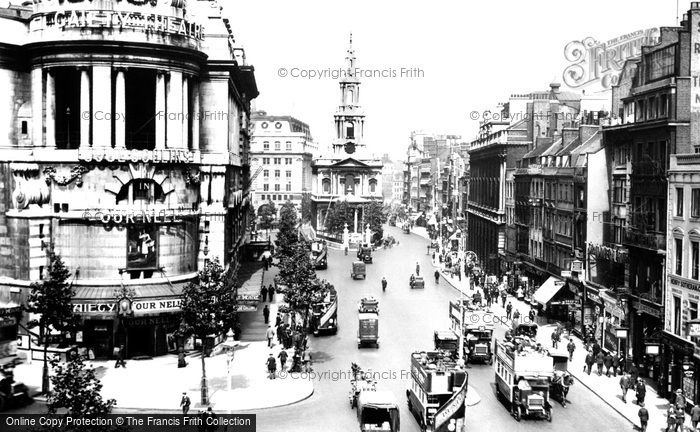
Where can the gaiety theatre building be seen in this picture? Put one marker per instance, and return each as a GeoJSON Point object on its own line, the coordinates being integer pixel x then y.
{"type": "Point", "coordinates": [124, 149]}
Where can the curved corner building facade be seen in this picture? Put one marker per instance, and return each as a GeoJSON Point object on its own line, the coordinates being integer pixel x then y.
{"type": "Point", "coordinates": [124, 146]}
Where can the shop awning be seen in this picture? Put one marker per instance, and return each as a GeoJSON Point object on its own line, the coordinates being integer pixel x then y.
{"type": "Point", "coordinates": [548, 290]}
{"type": "Point", "coordinates": [157, 290]}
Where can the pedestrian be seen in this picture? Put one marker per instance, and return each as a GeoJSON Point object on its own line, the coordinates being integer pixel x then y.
{"type": "Point", "coordinates": [263, 293]}
{"type": "Point", "coordinates": [270, 334]}
{"type": "Point", "coordinates": [271, 366]}
{"type": "Point", "coordinates": [680, 418]}
{"type": "Point", "coordinates": [641, 390]}
{"type": "Point", "coordinates": [280, 333]}
{"type": "Point", "coordinates": [516, 316]}
{"type": "Point", "coordinates": [643, 418]}
{"type": "Point", "coordinates": [266, 264]}
{"type": "Point", "coordinates": [278, 320]}
{"type": "Point", "coordinates": [670, 419]}
{"type": "Point", "coordinates": [509, 309]}
{"type": "Point", "coordinates": [680, 399]}
{"type": "Point", "coordinates": [608, 361]}
{"type": "Point", "coordinates": [599, 360]}
{"type": "Point", "coordinates": [283, 358]}
{"type": "Point", "coordinates": [384, 284]}
{"type": "Point", "coordinates": [210, 420]}
{"type": "Point", "coordinates": [185, 403]}
{"type": "Point", "coordinates": [589, 362]}
{"type": "Point", "coordinates": [266, 313]}
{"type": "Point", "coordinates": [271, 293]}
{"type": "Point", "coordinates": [503, 297]}
{"type": "Point", "coordinates": [437, 276]}
{"type": "Point", "coordinates": [634, 372]}
{"type": "Point", "coordinates": [307, 361]}
{"type": "Point", "coordinates": [119, 352]}
{"type": "Point", "coordinates": [624, 385]}
{"type": "Point", "coordinates": [695, 416]}
{"type": "Point", "coordinates": [417, 269]}
{"type": "Point", "coordinates": [346, 250]}
{"type": "Point", "coordinates": [571, 347]}
{"type": "Point", "coordinates": [596, 348]}
{"type": "Point", "coordinates": [615, 364]}
{"type": "Point", "coordinates": [531, 317]}
{"type": "Point", "coordinates": [555, 338]}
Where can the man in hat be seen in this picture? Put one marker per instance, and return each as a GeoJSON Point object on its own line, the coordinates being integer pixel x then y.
{"type": "Point", "coordinates": [271, 366]}
{"type": "Point", "coordinates": [641, 391]}
{"type": "Point", "coordinates": [624, 385]}
{"type": "Point", "coordinates": [185, 403]}
{"type": "Point", "coordinates": [680, 399]}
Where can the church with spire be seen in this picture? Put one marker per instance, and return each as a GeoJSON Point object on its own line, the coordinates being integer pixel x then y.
{"type": "Point", "coordinates": [350, 172]}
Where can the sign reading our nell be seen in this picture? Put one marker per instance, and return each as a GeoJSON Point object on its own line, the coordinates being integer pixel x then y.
{"type": "Point", "coordinates": [82, 19]}
{"type": "Point", "coordinates": [138, 306]}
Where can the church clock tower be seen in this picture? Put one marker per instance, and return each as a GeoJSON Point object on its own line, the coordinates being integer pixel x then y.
{"type": "Point", "coordinates": [349, 117]}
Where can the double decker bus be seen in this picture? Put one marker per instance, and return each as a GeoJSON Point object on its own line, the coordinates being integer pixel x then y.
{"type": "Point", "coordinates": [324, 314]}
{"type": "Point", "coordinates": [438, 392]}
{"type": "Point", "coordinates": [319, 254]}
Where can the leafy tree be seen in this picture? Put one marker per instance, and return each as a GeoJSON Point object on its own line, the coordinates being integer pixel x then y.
{"type": "Point", "coordinates": [306, 207]}
{"type": "Point", "coordinates": [376, 216]}
{"type": "Point", "coordinates": [288, 235]}
{"type": "Point", "coordinates": [52, 300]}
{"type": "Point", "coordinates": [298, 273]}
{"type": "Point", "coordinates": [339, 214]}
{"type": "Point", "coordinates": [76, 389]}
{"type": "Point", "coordinates": [208, 308]}
{"type": "Point", "coordinates": [267, 214]}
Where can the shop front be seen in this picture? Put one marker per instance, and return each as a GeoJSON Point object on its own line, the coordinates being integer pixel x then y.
{"type": "Point", "coordinates": [680, 365]}
{"type": "Point", "coordinates": [614, 322]}
{"type": "Point", "coordinates": [554, 298]}
{"type": "Point", "coordinates": [10, 315]}
{"type": "Point", "coordinates": [144, 323]}
{"type": "Point", "coordinates": [645, 336]}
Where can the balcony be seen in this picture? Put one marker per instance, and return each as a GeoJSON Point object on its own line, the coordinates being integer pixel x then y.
{"type": "Point", "coordinates": [654, 241]}
{"type": "Point", "coordinates": [648, 168]}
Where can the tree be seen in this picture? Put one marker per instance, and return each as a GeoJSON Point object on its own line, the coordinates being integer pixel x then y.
{"type": "Point", "coordinates": [339, 214]}
{"type": "Point", "coordinates": [76, 389]}
{"type": "Point", "coordinates": [298, 273]}
{"type": "Point", "coordinates": [208, 308]}
{"type": "Point", "coordinates": [288, 234]}
{"type": "Point", "coordinates": [267, 214]}
{"type": "Point", "coordinates": [306, 207]}
{"type": "Point", "coordinates": [376, 216]}
{"type": "Point", "coordinates": [52, 300]}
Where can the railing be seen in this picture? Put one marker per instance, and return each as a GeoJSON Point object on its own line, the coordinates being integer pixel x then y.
{"type": "Point", "coordinates": [649, 168]}
{"type": "Point", "coordinates": [648, 240]}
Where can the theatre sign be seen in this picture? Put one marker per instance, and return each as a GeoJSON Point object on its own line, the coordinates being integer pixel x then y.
{"type": "Point", "coordinates": [113, 19]}
{"type": "Point", "coordinates": [138, 306]}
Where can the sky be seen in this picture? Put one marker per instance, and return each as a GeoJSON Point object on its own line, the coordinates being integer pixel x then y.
{"type": "Point", "coordinates": [472, 55]}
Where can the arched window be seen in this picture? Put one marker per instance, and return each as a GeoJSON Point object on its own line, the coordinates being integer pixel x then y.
{"type": "Point", "coordinates": [372, 186]}
{"type": "Point", "coordinates": [350, 97]}
{"type": "Point", "coordinates": [144, 191]}
{"type": "Point", "coordinates": [326, 185]}
{"type": "Point", "coordinates": [349, 130]}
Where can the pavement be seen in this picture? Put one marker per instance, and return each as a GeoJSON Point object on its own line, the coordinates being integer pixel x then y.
{"type": "Point", "coordinates": [246, 387]}
{"type": "Point", "coordinates": [606, 388]}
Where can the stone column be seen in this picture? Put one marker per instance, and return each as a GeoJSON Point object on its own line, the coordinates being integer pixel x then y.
{"type": "Point", "coordinates": [195, 115]}
{"type": "Point", "coordinates": [38, 107]}
{"type": "Point", "coordinates": [185, 112]}
{"type": "Point", "coordinates": [355, 224]}
{"type": "Point", "coordinates": [160, 114]}
{"type": "Point", "coordinates": [120, 109]}
{"type": "Point", "coordinates": [84, 108]}
{"type": "Point", "coordinates": [175, 112]}
{"type": "Point", "coordinates": [102, 106]}
{"type": "Point", "coordinates": [51, 110]}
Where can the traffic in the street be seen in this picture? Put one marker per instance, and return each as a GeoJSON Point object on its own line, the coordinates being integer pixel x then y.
{"type": "Point", "coordinates": [407, 322]}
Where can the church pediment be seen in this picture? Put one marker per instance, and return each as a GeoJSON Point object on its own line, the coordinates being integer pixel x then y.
{"type": "Point", "coordinates": [350, 163]}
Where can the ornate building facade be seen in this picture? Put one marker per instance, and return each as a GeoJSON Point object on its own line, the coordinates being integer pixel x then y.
{"type": "Point", "coordinates": [124, 149]}
{"type": "Point", "coordinates": [349, 172]}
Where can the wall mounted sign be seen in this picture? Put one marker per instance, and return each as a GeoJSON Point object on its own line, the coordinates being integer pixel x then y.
{"type": "Point", "coordinates": [111, 19]}
{"type": "Point", "coordinates": [108, 154]}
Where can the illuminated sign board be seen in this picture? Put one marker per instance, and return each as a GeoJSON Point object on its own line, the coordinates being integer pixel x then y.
{"type": "Point", "coordinates": [138, 306]}
{"type": "Point", "coordinates": [112, 19]}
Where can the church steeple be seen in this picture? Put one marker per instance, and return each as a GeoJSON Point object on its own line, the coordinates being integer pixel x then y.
{"type": "Point", "coordinates": [349, 117]}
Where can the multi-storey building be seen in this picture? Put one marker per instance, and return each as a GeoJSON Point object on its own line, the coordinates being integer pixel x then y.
{"type": "Point", "coordinates": [124, 149]}
{"type": "Point", "coordinates": [654, 101]}
{"type": "Point", "coordinates": [282, 152]}
{"type": "Point", "coordinates": [350, 172]}
{"type": "Point", "coordinates": [671, 71]}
